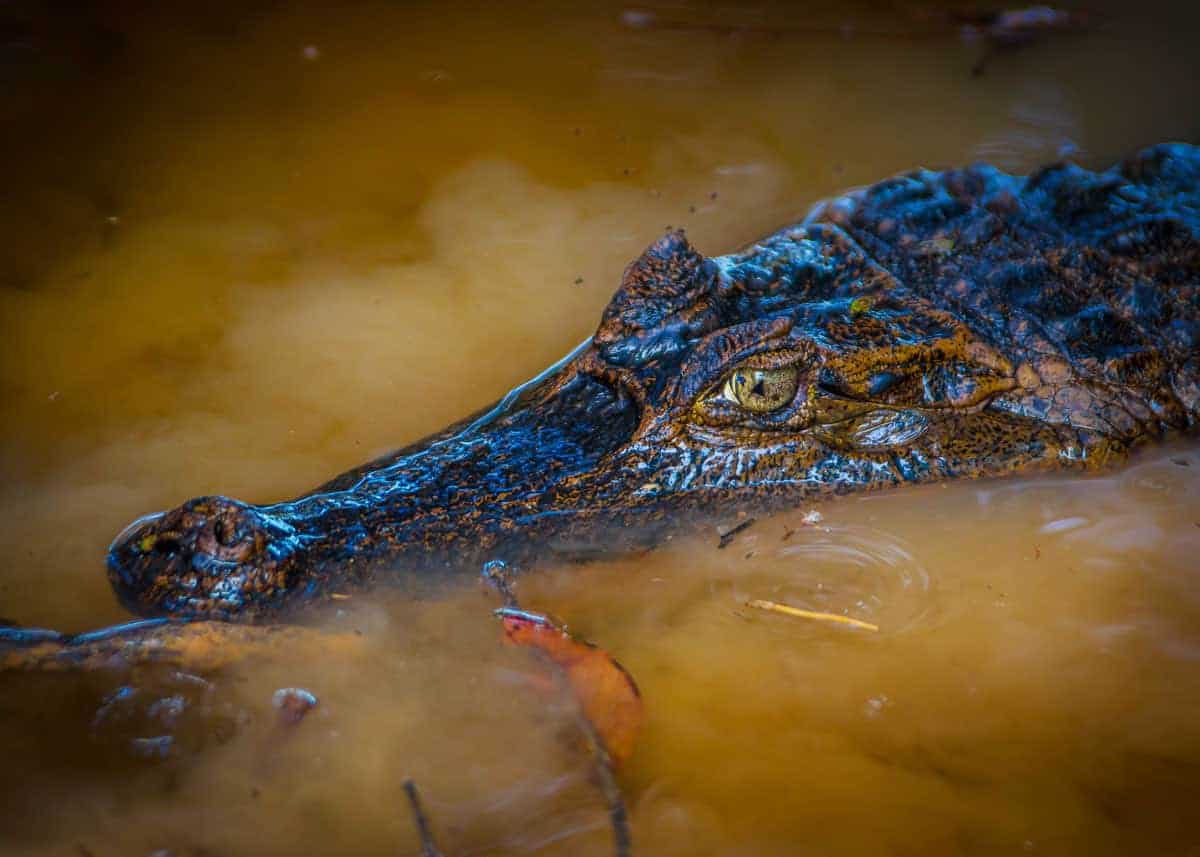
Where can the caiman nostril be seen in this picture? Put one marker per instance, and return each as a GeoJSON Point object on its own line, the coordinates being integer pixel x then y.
{"type": "Point", "coordinates": [163, 544]}
{"type": "Point", "coordinates": [225, 533]}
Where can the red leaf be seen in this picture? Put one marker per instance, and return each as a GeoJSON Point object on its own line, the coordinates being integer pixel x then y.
{"type": "Point", "coordinates": [606, 693]}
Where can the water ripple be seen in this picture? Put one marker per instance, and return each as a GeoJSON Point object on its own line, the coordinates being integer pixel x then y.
{"type": "Point", "coordinates": [856, 571]}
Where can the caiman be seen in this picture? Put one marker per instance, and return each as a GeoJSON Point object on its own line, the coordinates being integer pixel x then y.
{"type": "Point", "coordinates": [936, 325]}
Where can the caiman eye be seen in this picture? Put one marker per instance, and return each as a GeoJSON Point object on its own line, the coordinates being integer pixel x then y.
{"type": "Point", "coordinates": [762, 390]}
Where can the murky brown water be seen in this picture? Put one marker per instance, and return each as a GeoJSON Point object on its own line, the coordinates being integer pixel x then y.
{"type": "Point", "coordinates": [247, 249]}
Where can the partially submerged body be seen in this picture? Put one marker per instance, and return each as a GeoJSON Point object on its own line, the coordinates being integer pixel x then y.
{"type": "Point", "coordinates": [933, 326]}
{"type": "Point", "coordinates": [199, 647]}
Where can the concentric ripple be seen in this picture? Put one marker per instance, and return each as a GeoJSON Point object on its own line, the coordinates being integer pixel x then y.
{"type": "Point", "coordinates": [849, 570]}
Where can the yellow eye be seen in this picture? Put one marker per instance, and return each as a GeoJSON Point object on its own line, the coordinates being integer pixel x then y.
{"type": "Point", "coordinates": [762, 390]}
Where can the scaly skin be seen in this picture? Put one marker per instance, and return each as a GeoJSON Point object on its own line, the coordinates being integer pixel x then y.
{"type": "Point", "coordinates": [937, 325]}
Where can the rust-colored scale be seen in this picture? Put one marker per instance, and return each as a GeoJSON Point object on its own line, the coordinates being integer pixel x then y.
{"type": "Point", "coordinates": [933, 326]}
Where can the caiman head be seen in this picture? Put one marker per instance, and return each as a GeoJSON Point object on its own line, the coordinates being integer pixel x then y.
{"type": "Point", "coordinates": [713, 385]}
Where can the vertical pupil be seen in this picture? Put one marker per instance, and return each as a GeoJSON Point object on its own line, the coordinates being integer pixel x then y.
{"type": "Point", "coordinates": [761, 390]}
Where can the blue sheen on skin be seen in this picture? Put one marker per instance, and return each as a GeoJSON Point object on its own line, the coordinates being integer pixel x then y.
{"type": "Point", "coordinates": [936, 325]}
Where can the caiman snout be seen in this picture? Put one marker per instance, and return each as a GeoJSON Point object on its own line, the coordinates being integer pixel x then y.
{"type": "Point", "coordinates": [524, 474]}
{"type": "Point", "coordinates": [210, 555]}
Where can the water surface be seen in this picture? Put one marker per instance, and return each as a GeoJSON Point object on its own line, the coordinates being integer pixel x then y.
{"type": "Point", "coordinates": [248, 247]}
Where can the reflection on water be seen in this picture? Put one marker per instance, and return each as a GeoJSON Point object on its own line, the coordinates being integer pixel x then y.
{"type": "Point", "coordinates": [253, 246]}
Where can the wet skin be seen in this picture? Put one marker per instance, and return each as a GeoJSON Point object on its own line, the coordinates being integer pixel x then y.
{"type": "Point", "coordinates": [933, 326]}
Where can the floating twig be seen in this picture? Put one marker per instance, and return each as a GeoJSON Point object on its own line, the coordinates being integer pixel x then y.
{"type": "Point", "coordinates": [775, 607]}
{"type": "Point", "coordinates": [428, 846]}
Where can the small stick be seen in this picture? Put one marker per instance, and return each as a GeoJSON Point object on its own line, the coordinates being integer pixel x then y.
{"type": "Point", "coordinates": [497, 573]}
{"type": "Point", "coordinates": [428, 846]}
{"type": "Point", "coordinates": [618, 815]}
{"type": "Point", "coordinates": [811, 614]}
{"type": "Point", "coordinates": [730, 535]}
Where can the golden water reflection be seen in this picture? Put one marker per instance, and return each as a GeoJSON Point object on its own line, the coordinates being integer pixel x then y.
{"type": "Point", "coordinates": [253, 246]}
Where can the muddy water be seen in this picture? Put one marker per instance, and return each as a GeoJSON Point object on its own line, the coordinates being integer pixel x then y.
{"type": "Point", "coordinates": [248, 248]}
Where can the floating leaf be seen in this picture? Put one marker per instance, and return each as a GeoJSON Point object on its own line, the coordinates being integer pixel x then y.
{"type": "Point", "coordinates": [606, 694]}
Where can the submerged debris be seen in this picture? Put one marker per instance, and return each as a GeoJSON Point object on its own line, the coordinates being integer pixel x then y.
{"type": "Point", "coordinates": [428, 845]}
{"type": "Point", "coordinates": [996, 29]}
{"type": "Point", "coordinates": [163, 714]}
{"type": "Point", "coordinates": [731, 534]}
{"type": "Point", "coordinates": [618, 815]}
{"type": "Point", "coordinates": [499, 576]}
{"type": "Point", "coordinates": [293, 703]}
{"type": "Point", "coordinates": [1014, 28]}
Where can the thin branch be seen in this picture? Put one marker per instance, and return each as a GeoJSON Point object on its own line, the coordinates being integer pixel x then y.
{"type": "Point", "coordinates": [618, 815]}
{"type": "Point", "coordinates": [428, 846]}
